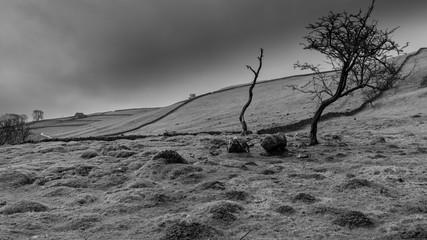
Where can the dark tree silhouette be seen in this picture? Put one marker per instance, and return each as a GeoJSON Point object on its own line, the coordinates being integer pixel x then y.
{"type": "Point", "coordinates": [38, 115]}
{"type": "Point", "coordinates": [13, 128]}
{"type": "Point", "coordinates": [359, 53]}
{"type": "Point", "coordinates": [256, 74]}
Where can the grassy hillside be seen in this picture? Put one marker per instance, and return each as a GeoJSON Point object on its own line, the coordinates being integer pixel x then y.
{"type": "Point", "coordinates": [274, 104]}
{"type": "Point", "coordinates": [351, 186]}
{"type": "Point", "coordinates": [366, 180]}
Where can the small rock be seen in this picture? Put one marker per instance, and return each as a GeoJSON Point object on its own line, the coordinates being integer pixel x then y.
{"type": "Point", "coordinates": [378, 140]}
{"type": "Point", "coordinates": [274, 144]}
{"type": "Point", "coordinates": [214, 153]}
{"type": "Point", "coordinates": [251, 164]}
{"type": "Point", "coordinates": [303, 155]}
{"type": "Point", "coordinates": [336, 137]}
{"type": "Point", "coordinates": [170, 133]}
{"type": "Point", "coordinates": [418, 115]}
{"type": "Point", "coordinates": [237, 145]}
{"type": "Point", "coordinates": [272, 170]}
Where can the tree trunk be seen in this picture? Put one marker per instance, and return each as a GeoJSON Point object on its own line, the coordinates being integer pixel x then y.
{"type": "Point", "coordinates": [244, 125]}
{"type": "Point", "coordinates": [242, 118]}
{"type": "Point", "coordinates": [316, 118]}
{"type": "Point", "coordinates": [323, 105]}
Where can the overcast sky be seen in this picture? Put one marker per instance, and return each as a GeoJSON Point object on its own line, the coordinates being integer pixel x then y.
{"type": "Point", "coordinates": [67, 56]}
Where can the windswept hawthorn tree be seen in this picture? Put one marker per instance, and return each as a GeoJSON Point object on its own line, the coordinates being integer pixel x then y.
{"type": "Point", "coordinates": [359, 53]}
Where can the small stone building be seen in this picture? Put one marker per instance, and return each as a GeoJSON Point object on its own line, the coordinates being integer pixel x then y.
{"type": "Point", "coordinates": [79, 115]}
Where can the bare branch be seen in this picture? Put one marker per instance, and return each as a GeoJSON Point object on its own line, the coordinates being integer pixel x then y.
{"type": "Point", "coordinates": [250, 68]}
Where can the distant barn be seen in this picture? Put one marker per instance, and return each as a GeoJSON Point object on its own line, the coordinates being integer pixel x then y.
{"type": "Point", "coordinates": [192, 96]}
{"type": "Point", "coordinates": [79, 115]}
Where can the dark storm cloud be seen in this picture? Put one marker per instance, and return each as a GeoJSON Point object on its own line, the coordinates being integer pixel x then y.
{"type": "Point", "coordinates": [104, 39]}
{"type": "Point", "coordinates": [89, 50]}
{"type": "Point", "coordinates": [137, 40]}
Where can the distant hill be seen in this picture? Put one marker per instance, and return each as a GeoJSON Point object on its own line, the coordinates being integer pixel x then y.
{"type": "Point", "coordinates": [274, 105]}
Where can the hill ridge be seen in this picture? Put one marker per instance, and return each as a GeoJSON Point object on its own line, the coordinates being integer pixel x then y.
{"type": "Point", "coordinates": [191, 116]}
{"type": "Point", "coordinates": [294, 126]}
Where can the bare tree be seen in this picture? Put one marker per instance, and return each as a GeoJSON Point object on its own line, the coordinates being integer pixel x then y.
{"type": "Point", "coordinates": [38, 115]}
{"type": "Point", "coordinates": [256, 74]}
{"type": "Point", "coordinates": [13, 128]}
{"type": "Point", "coordinates": [360, 55]}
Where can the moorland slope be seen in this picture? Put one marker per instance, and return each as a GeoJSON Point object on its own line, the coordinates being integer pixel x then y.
{"type": "Point", "coordinates": [274, 104]}
{"type": "Point", "coordinates": [366, 180]}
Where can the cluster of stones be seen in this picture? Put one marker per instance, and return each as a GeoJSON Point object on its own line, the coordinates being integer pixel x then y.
{"type": "Point", "coordinates": [273, 144]}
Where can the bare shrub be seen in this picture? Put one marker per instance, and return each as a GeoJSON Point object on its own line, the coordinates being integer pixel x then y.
{"type": "Point", "coordinates": [13, 129]}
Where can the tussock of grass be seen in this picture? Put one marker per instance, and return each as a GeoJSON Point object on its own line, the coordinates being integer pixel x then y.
{"type": "Point", "coordinates": [224, 211]}
{"type": "Point", "coordinates": [190, 231]}
{"type": "Point", "coordinates": [80, 223]}
{"type": "Point", "coordinates": [237, 195]}
{"type": "Point", "coordinates": [307, 176]}
{"type": "Point", "coordinates": [215, 185]}
{"type": "Point", "coordinates": [353, 219]}
{"type": "Point", "coordinates": [304, 197]}
{"type": "Point", "coordinates": [182, 171]}
{"type": "Point", "coordinates": [170, 156]}
{"type": "Point", "coordinates": [23, 206]}
{"type": "Point", "coordinates": [121, 153]}
{"type": "Point", "coordinates": [14, 178]}
{"type": "Point", "coordinates": [89, 154]}
{"type": "Point", "coordinates": [357, 183]}
{"type": "Point", "coordinates": [285, 209]}
{"type": "Point", "coordinates": [418, 232]}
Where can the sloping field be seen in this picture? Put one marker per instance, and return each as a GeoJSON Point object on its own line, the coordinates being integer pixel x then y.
{"type": "Point", "coordinates": [101, 123]}
{"type": "Point", "coordinates": [274, 104]}
{"type": "Point", "coordinates": [351, 186]}
{"type": "Point", "coordinates": [365, 180]}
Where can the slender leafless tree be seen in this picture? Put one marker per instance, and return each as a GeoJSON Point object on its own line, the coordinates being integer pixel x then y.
{"type": "Point", "coordinates": [256, 74]}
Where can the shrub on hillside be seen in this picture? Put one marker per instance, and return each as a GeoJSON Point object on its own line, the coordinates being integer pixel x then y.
{"type": "Point", "coordinates": [13, 129]}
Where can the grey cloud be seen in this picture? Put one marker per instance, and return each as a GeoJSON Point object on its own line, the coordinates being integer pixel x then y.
{"type": "Point", "coordinates": [94, 48]}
